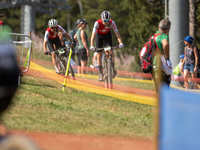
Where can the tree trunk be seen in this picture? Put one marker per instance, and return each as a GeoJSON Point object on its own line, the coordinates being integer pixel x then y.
{"type": "Point", "coordinates": [192, 19]}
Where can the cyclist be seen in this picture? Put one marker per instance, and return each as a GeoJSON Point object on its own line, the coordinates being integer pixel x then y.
{"type": "Point", "coordinates": [51, 39]}
{"type": "Point", "coordinates": [101, 32]}
{"type": "Point", "coordinates": [83, 48]}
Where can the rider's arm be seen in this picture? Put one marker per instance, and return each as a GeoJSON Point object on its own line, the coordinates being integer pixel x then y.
{"type": "Point", "coordinates": [165, 45]}
{"type": "Point", "coordinates": [46, 36]}
{"type": "Point", "coordinates": [113, 24]}
{"type": "Point", "coordinates": [65, 33]}
{"type": "Point", "coordinates": [96, 26]}
{"type": "Point", "coordinates": [118, 37]}
{"type": "Point", "coordinates": [61, 37]}
{"type": "Point", "coordinates": [44, 46]}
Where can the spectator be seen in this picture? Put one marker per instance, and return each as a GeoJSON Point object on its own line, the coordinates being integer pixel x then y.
{"type": "Point", "coordinates": [162, 41]}
{"type": "Point", "coordinates": [178, 72]}
{"type": "Point", "coordinates": [190, 62]}
{"type": "Point", "coordinates": [83, 50]}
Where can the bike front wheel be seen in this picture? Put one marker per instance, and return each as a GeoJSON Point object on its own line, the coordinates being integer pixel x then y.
{"type": "Point", "coordinates": [110, 81]}
{"type": "Point", "coordinates": [70, 71]}
{"type": "Point", "coordinates": [105, 73]}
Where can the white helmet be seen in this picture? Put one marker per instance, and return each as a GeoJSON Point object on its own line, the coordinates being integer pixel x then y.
{"type": "Point", "coordinates": [105, 15]}
{"type": "Point", "coordinates": [53, 23]}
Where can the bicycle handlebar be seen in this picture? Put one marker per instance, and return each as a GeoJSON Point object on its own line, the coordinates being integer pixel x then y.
{"type": "Point", "coordinates": [109, 48]}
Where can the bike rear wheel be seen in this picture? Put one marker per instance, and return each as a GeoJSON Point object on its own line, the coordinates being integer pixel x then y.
{"type": "Point", "coordinates": [70, 71]}
{"type": "Point", "coordinates": [110, 81]}
{"type": "Point", "coordinates": [105, 73]}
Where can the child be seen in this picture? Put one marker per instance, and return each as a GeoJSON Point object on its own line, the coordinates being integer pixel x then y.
{"type": "Point", "coordinates": [181, 71]}
{"type": "Point", "coordinates": [190, 62]}
{"type": "Point", "coordinates": [178, 72]}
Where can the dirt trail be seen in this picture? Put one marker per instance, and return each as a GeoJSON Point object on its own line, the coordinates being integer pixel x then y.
{"type": "Point", "coordinates": [59, 141]}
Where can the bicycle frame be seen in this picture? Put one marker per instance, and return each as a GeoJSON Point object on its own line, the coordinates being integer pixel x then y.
{"type": "Point", "coordinates": [62, 59]}
{"type": "Point", "coordinates": [108, 69]}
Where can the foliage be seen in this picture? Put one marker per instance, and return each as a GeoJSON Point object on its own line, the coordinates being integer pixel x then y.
{"type": "Point", "coordinates": [12, 18]}
{"type": "Point", "coordinates": [198, 24]}
{"type": "Point", "coordinates": [144, 17]}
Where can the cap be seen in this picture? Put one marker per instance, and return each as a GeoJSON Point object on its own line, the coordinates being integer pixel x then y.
{"type": "Point", "coordinates": [83, 21]}
{"type": "Point", "coordinates": [2, 15]}
{"type": "Point", "coordinates": [182, 56]}
{"type": "Point", "coordinates": [189, 39]}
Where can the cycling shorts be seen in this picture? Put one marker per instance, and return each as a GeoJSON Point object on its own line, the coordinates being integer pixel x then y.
{"type": "Point", "coordinates": [55, 42]}
{"type": "Point", "coordinates": [81, 55]}
{"type": "Point", "coordinates": [99, 39]}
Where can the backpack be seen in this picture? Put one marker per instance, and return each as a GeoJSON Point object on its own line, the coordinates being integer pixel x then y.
{"type": "Point", "coordinates": [146, 59]}
{"type": "Point", "coordinates": [71, 34]}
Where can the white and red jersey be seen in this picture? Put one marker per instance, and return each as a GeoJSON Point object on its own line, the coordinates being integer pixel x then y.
{"type": "Point", "coordinates": [53, 35]}
{"type": "Point", "coordinates": [102, 29]}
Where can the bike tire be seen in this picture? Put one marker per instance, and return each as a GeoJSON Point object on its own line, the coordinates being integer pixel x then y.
{"type": "Point", "coordinates": [71, 71]}
{"type": "Point", "coordinates": [110, 81]}
{"type": "Point", "coordinates": [105, 73]}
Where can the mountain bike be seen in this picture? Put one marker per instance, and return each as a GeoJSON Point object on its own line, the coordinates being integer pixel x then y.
{"type": "Point", "coordinates": [62, 59]}
{"type": "Point", "coordinates": [108, 70]}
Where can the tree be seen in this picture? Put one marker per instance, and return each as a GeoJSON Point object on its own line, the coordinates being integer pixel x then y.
{"type": "Point", "coordinates": [144, 16]}
{"type": "Point", "coordinates": [192, 19]}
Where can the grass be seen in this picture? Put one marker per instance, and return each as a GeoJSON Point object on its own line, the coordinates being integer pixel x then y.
{"type": "Point", "coordinates": [40, 105]}
{"type": "Point", "coordinates": [135, 84]}
{"type": "Point", "coordinates": [140, 84]}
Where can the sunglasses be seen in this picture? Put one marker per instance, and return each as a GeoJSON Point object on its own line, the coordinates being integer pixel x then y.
{"type": "Point", "coordinates": [106, 20]}
{"type": "Point", "coordinates": [53, 27]}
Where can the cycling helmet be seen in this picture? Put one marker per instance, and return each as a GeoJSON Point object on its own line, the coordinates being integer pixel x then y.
{"type": "Point", "coordinates": [52, 23]}
{"type": "Point", "coordinates": [105, 15]}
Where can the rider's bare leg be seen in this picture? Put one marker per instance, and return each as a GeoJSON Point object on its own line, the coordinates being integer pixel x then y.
{"type": "Point", "coordinates": [55, 63]}
{"type": "Point", "coordinates": [99, 62]}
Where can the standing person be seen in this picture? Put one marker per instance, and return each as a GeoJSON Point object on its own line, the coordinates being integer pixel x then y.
{"type": "Point", "coordinates": [51, 39]}
{"type": "Point", "coordinates": [190, 62]}
{"type": "Point", "coordinates": [101, 32]}
{"type": "Point", "coordinates": [162, 41]}
{"type": "Point", "coordinates": [83, 47]}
